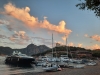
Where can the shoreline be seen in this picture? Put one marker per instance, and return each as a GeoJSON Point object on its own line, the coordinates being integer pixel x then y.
{"type": "Point", "coordinates": [87, 70]}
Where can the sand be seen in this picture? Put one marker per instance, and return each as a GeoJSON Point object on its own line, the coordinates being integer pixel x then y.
{"type": "Point", "coordinates": [87, 70]}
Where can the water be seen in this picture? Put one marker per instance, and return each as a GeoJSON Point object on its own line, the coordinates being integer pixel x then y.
{"type": "Point", "coordinates": [13, 70]}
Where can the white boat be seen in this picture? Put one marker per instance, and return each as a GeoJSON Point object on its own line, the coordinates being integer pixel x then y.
{"type": "Point", "coordinates": [44, 58]}
{"type": "Point", "coordinates": [91, 63]}
{"type": "Point", "coordinates": [62, 64]}
{"type": "Point", "coordinates": [67, 62]}
{"type": "Point", "coordinates": [74, 65]}
{"type": "Point", "coordinates": [40, 63]}
{"type": "Point", "coordinates": [64, 58]}
{"type": "Point", "coordinates": [51, 67]}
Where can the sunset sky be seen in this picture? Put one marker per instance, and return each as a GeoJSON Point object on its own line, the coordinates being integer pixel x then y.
{"type": "Point", "coordinates": [33, 21]}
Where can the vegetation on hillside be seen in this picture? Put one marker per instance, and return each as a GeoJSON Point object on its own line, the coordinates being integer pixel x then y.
{"type": "Point", "coordinates": [62, 50]}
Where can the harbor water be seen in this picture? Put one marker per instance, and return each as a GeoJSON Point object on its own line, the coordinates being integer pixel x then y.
{"type": "Point", "coordinates": [6, 69]}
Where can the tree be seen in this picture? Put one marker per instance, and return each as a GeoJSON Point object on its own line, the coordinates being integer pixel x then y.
{"type": "Point", "coordinates": [93, 5]}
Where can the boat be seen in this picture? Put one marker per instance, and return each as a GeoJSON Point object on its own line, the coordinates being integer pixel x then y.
{"type": "Point", "coordinates": [48, 63]}
{"type": "Point", "coordinates": [44, 58]}
{"type": "Point", "coordinates": [51, 67]}
{"type": "Point", "coordinates": [64, 58]}
{"type": "Point", "coordinates": [19, 58]}
{"type": "Point", "coordinates": [76, 65]}
{"type": "Point", "coordinates": [91, 63]}
{"type": "Point", "coordinates": [40, 63]}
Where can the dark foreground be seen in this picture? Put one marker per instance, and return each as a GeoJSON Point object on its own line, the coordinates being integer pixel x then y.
{"type": "Point", "coordinates": [88, 70]}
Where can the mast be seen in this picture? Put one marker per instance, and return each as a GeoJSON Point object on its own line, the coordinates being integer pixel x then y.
{"type": "Point", "coordinates": [66, 47]}
{"type": "Point", "coordinates": [52, 44]}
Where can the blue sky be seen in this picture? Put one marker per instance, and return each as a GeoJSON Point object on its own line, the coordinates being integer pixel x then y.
{"type": "Point", "coordinates": [16, 32]}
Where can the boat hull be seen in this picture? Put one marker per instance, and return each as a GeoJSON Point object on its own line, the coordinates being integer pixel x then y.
{"type": "Point", "coordinates": [18, 60]}
{"type": "Point", "coordinates": [49, 69]}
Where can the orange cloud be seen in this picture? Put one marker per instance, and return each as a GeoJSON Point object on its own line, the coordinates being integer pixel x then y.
{"type": "Point", "coordinates": [64, 38]}
{"type": "Point", "coordinates": [71, 44]}
{"type": "Point", "coordinates": [19, 37]}
{"type": "Point", "coordinates": [31, 21]}
{"type": "Point", "coordinates": [95, 37]}
{"type": "Point", "coordinates": [80, 45]}
{"type": "Point", "coordinates": [96, 46]}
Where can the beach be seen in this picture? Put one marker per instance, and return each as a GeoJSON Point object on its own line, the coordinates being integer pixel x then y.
{"type": "Point", "coordinates": [87, 70]}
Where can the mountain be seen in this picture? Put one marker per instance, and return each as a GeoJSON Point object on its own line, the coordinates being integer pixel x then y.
{"type": "Point", "coordinates": [29, 50]}
{"type": "Point", "coordinates": [5, 50]}
{"type": "Point", "coordinates": [33, 49]}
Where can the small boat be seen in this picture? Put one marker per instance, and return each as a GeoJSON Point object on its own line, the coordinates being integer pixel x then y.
{"type": "Point", "coordinates": [19, 58]}
{"type": "Point", "coordinates": [40, 63]}
{"type": "Point", "coordinates": [63, 64]}
{"type": "Point", "coordinates": [52, 67]}
{"type": "Point", "coordinates": [64, 58]}
{"type": "Point", "coordinates": [91, 63]}
{"type": "Point", "coordinates": [44, 58]}
{"type": "Point", "coordinates": [75, 65]}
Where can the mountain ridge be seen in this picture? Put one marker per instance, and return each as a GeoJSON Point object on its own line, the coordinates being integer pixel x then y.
{"type": "Point", "coordinates": [29, 50]}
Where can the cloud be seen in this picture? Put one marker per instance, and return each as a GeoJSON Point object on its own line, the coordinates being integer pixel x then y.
{"type": "Point", "coordinates": [10, 27]}
{"type": "Point", "coordinates": [71, 44]}
{"type": "Point", "coordinates": [3, 36]}
{"type": "Point", "coordinates": [43, 40]}
{"type": "Point", "coordinates": [31, 21]}
{"type": "Point", "coordinates": [19, 37]}
{"type": "Point", "coordinates": [80, 45]}
{"type": "Point", "coordinates": [96, 46]}
{"type": "Point", "coordinates": [93, 47]}
{"type": "Point", "coordinates": [64, 38]}
{"type": "Point", "coordinates": [4, 22]}
{"type": "Point", "coordinates": [95, 37]}
{"type": "Point", "coordinates": [45, 17]}
{"type": "Point", "coordinates": [86, 35]}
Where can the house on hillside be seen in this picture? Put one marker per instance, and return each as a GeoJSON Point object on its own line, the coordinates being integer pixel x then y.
{"type": "Point", "coordinates": [84, 54]}
{"type": "Point", "coordinates": [81, 53]}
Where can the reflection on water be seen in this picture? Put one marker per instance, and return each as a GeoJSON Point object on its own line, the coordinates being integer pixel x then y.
{"type": "Point", "coordinates": [6, 69]}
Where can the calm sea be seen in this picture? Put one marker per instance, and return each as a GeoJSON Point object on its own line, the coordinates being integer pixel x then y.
{"type": "Point", "coordinates": [16, 70]}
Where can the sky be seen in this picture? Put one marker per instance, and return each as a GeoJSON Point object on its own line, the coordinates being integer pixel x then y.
{"type": "Point", "coordinates": [23, 22]}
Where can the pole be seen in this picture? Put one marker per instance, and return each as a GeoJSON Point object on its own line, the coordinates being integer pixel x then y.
{"type": "Point", "coordinates": [52, 44]}
{"type": "Point", "coordinates": [66, 47]}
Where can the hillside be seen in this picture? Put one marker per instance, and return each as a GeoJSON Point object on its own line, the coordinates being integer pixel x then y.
{"type": "Point", "coordinates": [72, 51]}
{"type": "Point", "coordinates": [29, 50]}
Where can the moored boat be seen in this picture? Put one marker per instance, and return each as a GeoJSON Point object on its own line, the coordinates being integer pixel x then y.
{"type": "Point", "coordinates": [19, 58]}
{"type": "Point", "coordinates": [51, 67]}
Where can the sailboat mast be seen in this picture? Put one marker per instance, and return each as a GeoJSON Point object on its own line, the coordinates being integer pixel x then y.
{"type": "Point", "coordinates": [52, 44]}
{"type": "Point", "coordinates": [66, 47]}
